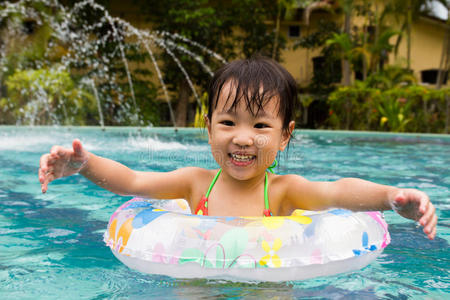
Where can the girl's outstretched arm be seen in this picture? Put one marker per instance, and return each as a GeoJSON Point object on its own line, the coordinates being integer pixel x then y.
{"type": "Point", "coordinates": [112, 175]}
{"type": "Point", "coordinates": [361, 195]}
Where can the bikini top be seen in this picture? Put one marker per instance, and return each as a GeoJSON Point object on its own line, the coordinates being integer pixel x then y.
{"type": "Point", "coordinates": [202, 207]}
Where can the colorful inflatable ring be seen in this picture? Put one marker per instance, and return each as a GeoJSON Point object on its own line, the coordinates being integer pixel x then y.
{"type": "Point", "coordinates": [164, 238]}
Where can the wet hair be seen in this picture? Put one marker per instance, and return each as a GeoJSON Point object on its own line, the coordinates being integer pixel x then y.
{"type": "Point", "coordinates": [255, 81]}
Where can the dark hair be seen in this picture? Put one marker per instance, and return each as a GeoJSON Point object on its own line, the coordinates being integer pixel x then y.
{"type": "Point", "coordinates": [256, 81]}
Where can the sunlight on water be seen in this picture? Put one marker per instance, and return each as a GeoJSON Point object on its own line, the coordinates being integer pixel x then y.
{"type": "Point", "coordinates": [51, 245]}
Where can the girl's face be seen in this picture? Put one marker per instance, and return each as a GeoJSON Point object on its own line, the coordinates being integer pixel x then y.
{"type": "Point", "coordinates": [242, 144]}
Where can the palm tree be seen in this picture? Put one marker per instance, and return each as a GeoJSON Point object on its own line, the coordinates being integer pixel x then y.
{"type": "Point", "coordinates": [444, 66]}
{"type": "Point", "coordinates": [347, 7]}
{"type": "Point", "coordinates": [282, 7]}
{"type": "Point", "coordinates": [445, 57]}
{"type": "Point", "coordinates": [415, 9]}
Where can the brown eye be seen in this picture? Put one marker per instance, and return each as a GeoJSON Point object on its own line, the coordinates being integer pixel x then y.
{"type": "Point", "coordinates": [227, 123]}
{"type": "Point", "coordinates": [261, 125]}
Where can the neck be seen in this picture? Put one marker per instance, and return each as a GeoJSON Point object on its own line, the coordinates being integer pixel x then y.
{"type": "Point", "coordinates": [243, 185]}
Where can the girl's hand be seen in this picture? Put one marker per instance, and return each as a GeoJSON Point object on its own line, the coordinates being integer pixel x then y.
{"type": "Point", "coordinates": [415, 205]}
{"type": "Point", "coordinates": [61, 162]}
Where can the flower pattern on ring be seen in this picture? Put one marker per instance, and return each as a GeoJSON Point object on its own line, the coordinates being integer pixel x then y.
{"type": "Point", "coordinates": [271, 259]}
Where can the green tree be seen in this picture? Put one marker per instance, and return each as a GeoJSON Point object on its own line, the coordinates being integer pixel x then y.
{"type": "Point", "coordinates": [116, 61]}
{"type": "Point", "coordinates": [205, 22]}
{"type": "Point", "coordinates": [90, 51]}
{"type": "Point", "coordinates": [414, 9]}
{"type": "Point", "coordinates": [283, 7]}
{"type": "Point", "coordinates": [46, 97]}
{"type": "Point", "coordinates": [253, 34]}
{"type": "Point", "coordinates": [231, 29]}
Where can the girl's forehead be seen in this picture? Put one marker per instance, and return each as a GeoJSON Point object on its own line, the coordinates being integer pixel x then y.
{"type": "Point", "coordinates": [269, 109]}
{"type": "Point", "coordinates": [228, 101]}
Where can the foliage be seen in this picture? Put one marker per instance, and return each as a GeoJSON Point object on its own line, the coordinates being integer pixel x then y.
{"type": "Point", "coordinates": [118, 65]}
{"type": "Point", "coordinates": [253, 34]}
{"type": "Point", "coordinates": [356, 100]}
{"type": "Point", "coordinates": [34, 87]}
{"type": "Point", "coordinates": [26, 43]}
{"type": "Point", "coordinates": [344, 43]}
{"type": "Point", "coordinates": [223, 27]}
{"type": "Point", "coordinates": [200, 112]}
{"type": "Point", "coordinates": [399, 108]}
{"type": "Point", "coordinates": [318, 38]}
{"type": "Point", "coordinates": [329, 71]}
{"type": "Point", "coordinates": [390, 77]}
{"type": "Point", "coordinates": [388, 98]}
{"type": "Point", "coordinates": [94, 54]}
{"type": "Point", "coordinates": [45, 97]}
{"type": "Point", "coordinates": [394, 111]}
{"type": "Point", "coordinates": [205, 22]}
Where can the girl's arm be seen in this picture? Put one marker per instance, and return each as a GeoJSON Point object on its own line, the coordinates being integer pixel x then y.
{"type": "Point", "coordinates": [361, 195]}
{"type": "Point", "coordinates": [112, 175]}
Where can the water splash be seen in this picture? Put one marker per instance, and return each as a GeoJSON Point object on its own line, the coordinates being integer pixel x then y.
{"type": "Point", "coordinates": [99, 106]}
{"type": "Point", "coordinates": [82, 55]}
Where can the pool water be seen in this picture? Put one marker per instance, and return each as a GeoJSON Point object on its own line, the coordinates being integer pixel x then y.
{"type": "Point", "coordinates": [51, 245]}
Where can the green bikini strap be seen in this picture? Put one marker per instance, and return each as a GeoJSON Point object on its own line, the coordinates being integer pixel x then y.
{"type": "Point", "coordinates": [273, 166]}
{"type": "Point", "coordinates": [266, 197]}
{"type": "Point", "coordinates": [212, 183]}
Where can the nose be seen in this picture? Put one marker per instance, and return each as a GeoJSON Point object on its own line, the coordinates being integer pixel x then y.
{"type": "Point", "coordinates": [243, 138]}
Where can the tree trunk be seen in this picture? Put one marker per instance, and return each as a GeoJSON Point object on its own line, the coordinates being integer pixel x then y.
{"type": "Point", "coordinates": [277, 31]}
{"type": "Point", "coordinates": [445, 56]}
{"type": "Point", "coordinates": [345, 62]}
{"type": "Point", "coordinates": [364, 43]}
{"type": "Point", "coordinates": [374, 62]}
{"type": "Point", "coordinates": [305, 115]}
{"type": "Point", "coordinates": [183, 102]}
{"type": "Point", "coordinates": [369, 112]}
{"type": "Point", "coordinates": [447, 115]}
{"type": "Point", "coordinates": [345, 72]}
{"type": "Point", "coordinates": [426, 115]}
{"type": "Point", "coordinates": [408, 35]}
{"type": "Point", "coordinates": [346, 68]}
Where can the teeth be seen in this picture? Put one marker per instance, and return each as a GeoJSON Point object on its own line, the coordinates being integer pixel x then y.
{"type": "Point", "coordinates": [242, 157]}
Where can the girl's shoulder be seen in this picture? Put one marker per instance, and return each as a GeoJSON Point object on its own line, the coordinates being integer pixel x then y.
{"type": "Point", "coordinates": [197, 172]}
{"type": "Point", "coordinates": [197, 177]}
{"type": "Point", "coordinates": [287, 180]}
{"type": "Point", "coordinates": [199, 180]}
{"type": "Point", "coordinates": [289, 191]}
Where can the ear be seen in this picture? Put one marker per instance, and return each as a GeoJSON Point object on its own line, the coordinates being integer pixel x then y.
{"type": "Point", "coordinates": [208, 126]}
{"type": "Point", "coordinates": [287, 136]}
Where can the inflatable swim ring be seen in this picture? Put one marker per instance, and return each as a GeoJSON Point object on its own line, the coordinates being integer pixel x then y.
{"type": "Point", "coordinates": [162, 237]}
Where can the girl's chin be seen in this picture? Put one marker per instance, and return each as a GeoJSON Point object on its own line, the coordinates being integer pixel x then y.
{"type": "Point", "coordinates": [241, 171]}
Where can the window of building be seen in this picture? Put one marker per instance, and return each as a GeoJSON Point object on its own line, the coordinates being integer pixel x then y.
{"type": "Point", "coordinates": [294, 31]}
{"type": "Point", "coordinates": [430, 76]}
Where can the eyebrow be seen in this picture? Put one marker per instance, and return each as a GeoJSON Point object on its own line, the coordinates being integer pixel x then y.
{"type": "Point", "coordinates": [260, 114]}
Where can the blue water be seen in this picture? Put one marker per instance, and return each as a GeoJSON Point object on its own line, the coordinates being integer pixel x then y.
{"type": "Point", "coordinates": [51, 245]}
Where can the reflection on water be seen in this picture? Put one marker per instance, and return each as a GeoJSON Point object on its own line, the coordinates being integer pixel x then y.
{"type": "Point", "coordinates": [51, 245]}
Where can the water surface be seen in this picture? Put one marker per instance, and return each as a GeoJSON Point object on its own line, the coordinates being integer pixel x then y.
{"type": "Point", "coordinates": [51, 245]}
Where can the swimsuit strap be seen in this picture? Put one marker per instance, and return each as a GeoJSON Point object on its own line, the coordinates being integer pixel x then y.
{"type": "Point", "coordinates": [212, 183]}
{"type": "Point", "coordinates": [202, 207]}
{"type": "Point", "coordinates": [266, 211]}
{"type": "Point", "coordinates": [273, 166]}
{"type": "Point", "coordinates": [204, 202]}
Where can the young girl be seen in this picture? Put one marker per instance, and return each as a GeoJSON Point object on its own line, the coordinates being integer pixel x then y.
{"type": "Point", "coordinates": [250, 119]}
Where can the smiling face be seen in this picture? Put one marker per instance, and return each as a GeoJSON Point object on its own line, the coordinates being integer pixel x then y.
{"type": "Point", "coordinates": [244, 141]}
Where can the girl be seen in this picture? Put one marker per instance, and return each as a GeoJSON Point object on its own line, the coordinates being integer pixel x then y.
{"type": "Point", "coordinates": [250, 119]}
